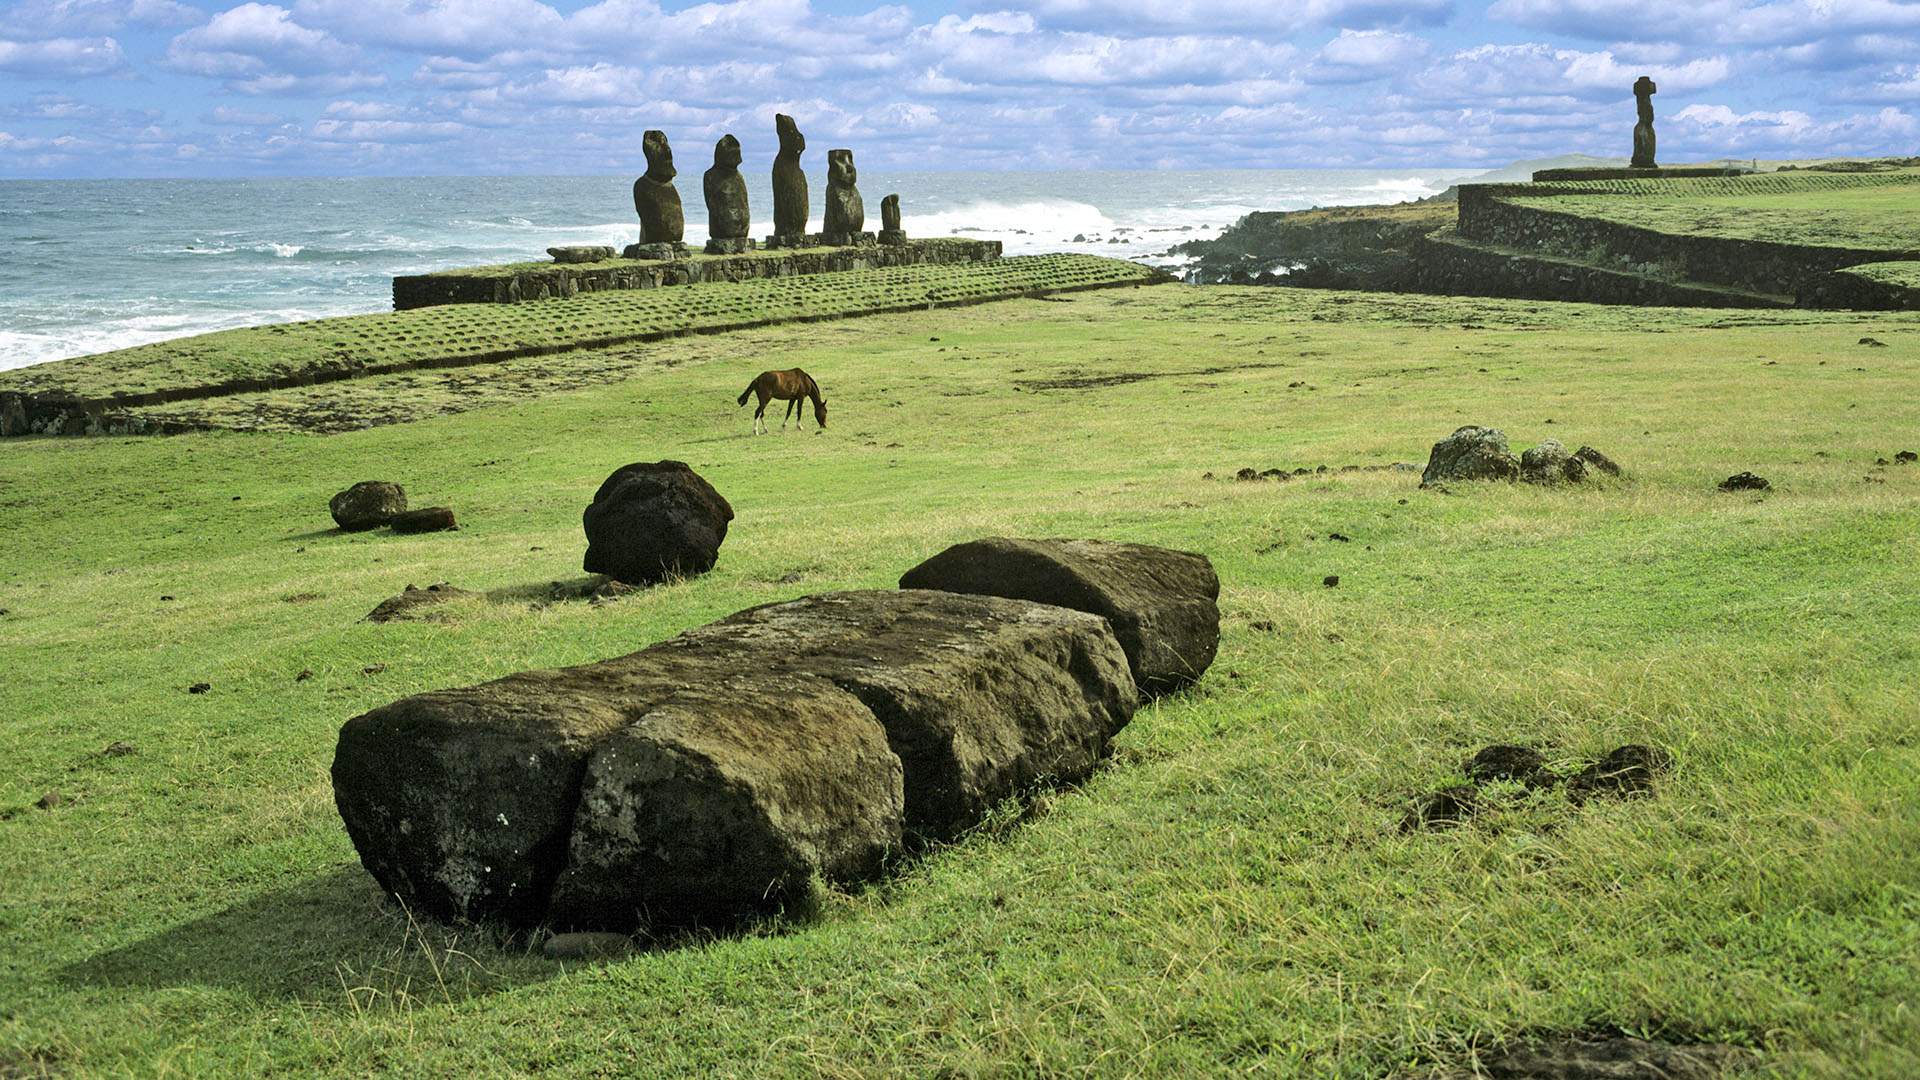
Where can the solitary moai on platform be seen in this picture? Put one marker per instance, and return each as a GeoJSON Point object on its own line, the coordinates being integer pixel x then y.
{"type": "Point", "coordinates": [663, 224]}
{"type": "Point", "coordinates": [1643, 140]}
{"type": "Point", "coordinates": [728, 215]}
{"type": "Point", "coordinates": [789, 186]}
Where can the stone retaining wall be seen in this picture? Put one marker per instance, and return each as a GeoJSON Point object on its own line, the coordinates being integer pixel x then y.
{"type": "Point", "coordinates": [1847, 289]}
{"type": "Point", "coordinates": [1448, 266]}
{"type": "Point", "coordinates": [514, 284]}
{"type": "Point", "coordinates": [1515, 216]}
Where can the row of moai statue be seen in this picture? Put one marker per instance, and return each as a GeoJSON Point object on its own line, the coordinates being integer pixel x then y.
{"type": "Point", "coordinates": [663, 225]}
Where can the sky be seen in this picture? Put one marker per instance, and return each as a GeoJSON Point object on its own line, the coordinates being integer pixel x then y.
{"type": "Point", "coordinates": [156, 88]}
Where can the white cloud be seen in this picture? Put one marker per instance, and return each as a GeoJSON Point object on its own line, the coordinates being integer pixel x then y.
{"type": "Point", "coordinates": [65, 58]}
{"type": "Point", "coordinates": [57, 18]}
{"type": "Point", "coordinates": [228, 116]}
{"type": "Point", "coordinates": [1225, 15]}
{"type": "Point", "coordinates": [1361, 55]}
{"type": "Point", "coordinates": [1538, 73]}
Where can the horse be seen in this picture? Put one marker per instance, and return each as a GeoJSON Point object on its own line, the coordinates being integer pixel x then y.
{"type": "Point", "coordinates": [789, 386]}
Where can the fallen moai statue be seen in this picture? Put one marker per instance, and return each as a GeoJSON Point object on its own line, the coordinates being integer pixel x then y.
{"type": "Point", "coordinates": [1162, 603]}
{"type": "Point", "coordinates": [709, 777]}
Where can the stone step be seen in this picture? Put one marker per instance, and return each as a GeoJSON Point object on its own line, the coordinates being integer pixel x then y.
{"type": "Point", "coordinates": [1456, 265]}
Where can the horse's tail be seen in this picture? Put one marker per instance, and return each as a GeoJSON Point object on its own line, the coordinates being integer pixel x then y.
{"type": "Point", "coordinates": [747, 393]}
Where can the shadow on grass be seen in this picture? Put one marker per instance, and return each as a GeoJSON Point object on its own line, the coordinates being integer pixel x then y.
{"type": "Point", "coordinates": [331, 940]}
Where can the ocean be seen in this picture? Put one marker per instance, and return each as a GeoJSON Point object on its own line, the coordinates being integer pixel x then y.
{"type": "Point", "coordinates": [92, 265]}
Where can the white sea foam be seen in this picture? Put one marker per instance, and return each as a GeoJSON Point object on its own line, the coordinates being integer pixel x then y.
{"type": "Point", "coordinates": [284, 251]}
{"type": "Point", "coordinates": [18, 349]}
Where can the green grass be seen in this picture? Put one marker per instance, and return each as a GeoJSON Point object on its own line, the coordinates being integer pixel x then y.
{"type": "Point", "coordinates": [1901, 274]}
{"type": "Point", "coordinates": [1871, 211]}
{"type": "Point", "coordinates": [471, 333]}
{"type": "Point", "coordinates": [1230, 896]}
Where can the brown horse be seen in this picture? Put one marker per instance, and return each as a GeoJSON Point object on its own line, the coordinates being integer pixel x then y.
{"type": "Point", "coordinates": [789, 386]}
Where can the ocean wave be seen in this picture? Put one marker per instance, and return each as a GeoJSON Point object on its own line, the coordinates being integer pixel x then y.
{"type": "Point", "coordinates": [22, 349]}
{"type": "Point", "coordinates": [283, 251]}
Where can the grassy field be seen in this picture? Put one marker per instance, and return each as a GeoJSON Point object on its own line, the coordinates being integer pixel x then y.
{"type": "Point", "coordinates": [1870, 211]}
{"type": "Point", "coordinates": [1905, 275]}
{"type": "Point", "coordinates": [466, 334]}
{"type": "Point", "coordinates": [1230, 896]}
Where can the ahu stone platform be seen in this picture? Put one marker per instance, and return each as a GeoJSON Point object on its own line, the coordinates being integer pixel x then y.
{"type": "Point", "coordinates": [517, 282]}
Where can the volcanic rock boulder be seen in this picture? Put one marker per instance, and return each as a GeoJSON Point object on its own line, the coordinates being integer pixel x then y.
{"type": "Point", "coordinates": [729, 216]}
{"type": "Point", "coordinates": [721, 802]}
{"type": "Point", "coordinates": [1161, 603]}
{"type": "Point", "coordinates": [662, 221]}
{"type": "Point", "coordinates": [683, 785]}
{"type": "Point", "coordinates": [1597, 461]}
{"type": "Point", "coordinates": [982, 698]}
{"type": "Point", "coordinates": [653, 520]}
{"type": "Point", "coordinates": [1471, 453]}
{"type": "Point", "coordinates": [368, 504]}
{"type": "Point", "coordinates": [1549, 463]}
{"type": "Point", "coordinates": [789, 186]}
{"type": "Point", "coordinates": [581, 253]}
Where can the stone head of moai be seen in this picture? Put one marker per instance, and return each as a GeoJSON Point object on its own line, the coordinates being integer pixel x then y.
{"type": "Point", "coordinates": [840, 169]}
{"type": "Point", "coordinates": [726, 153]}
{"type": "Point", "coordinates": [792, 143]}
{"type": "Point", "coordinates": [659, 157]}
{"type": "Point", "coordinates": [1643, 91]}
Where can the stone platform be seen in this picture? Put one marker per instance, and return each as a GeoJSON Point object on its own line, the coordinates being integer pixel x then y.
{"type": "Point", "coordinates": [1545, 176]}
{"type": "Point", "coordinates": [512, 284]}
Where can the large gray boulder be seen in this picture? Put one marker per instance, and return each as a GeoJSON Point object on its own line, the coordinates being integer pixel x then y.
{"type": "Point", "coordinates": [468, 803]}
{"type": "Point", "coordinates": [368, 504]}
{"type": "Point", "coordinates": [1471, 453]}
{"type": "Point", "coordinates": [982, 698]}
{"type": "Point", "coordinates": [1161, 603]}
{"type": "Point", "coordinates": [654, 520]}
{"type": "Point", "coordinates": [722, 801]}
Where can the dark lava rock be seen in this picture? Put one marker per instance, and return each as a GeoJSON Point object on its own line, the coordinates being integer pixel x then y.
{"type": "Point", "coordinates": [1906, 457]}
{"type": "Point", "coordinates": [650, 521]}
{"type": "Point", "coordinates": [1549, 463]}
{"type": "Point", "coordinates": [1614, 1057]}
{"type": "Point", "coordinates": [199, 688]}
{"type": "Point", "coordinates": [982, 697]}
{"type": "Point", "coordinates": [1331, 581]}
{"type": "Point", "coordinates": [368, 504]}
{"type": "Point", "coordinates": [119, 748]}
{"type": "Point", "coordinates": [1247, 474]}
{"type": "Point", "coordinates": [1629, 770]}
{"type": "Point", "coordinates": [1745, 481]}
{"type": "Point", "coordinates": [1509, 763]}
{"type": "Point", "coordinates": [413, 603]}
{"type": "Point", "coordinates": [1873, 343]}
{"type": "Point", "coordinates": [1595, 460]}
{"type": "Point", "coordinates": [50, 801]}
{"type": "Point", "coordinates": [425, 520]}
{"type": "Point", "coordinates": [1471, 453]}
{"type": "Point", "coordinates": [722, 801]}
{"type": "Point", "coordinates": [586, 945]}
{"type": "Point", "coordinates": [1443, 808]}
{"type": "Point", "coordinates": [581, 253]}
{"type": "Point", "coordinates": [1161, 603]}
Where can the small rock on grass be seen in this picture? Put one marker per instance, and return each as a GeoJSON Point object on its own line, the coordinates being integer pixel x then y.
{"type": "Point", "coordinates": [413, 602]}
{"type": "Point", "coordinates": [428, 519]}
{"type": "Point", "coordinates": [1904, 457]}
{"type": "Point", "coordinates": [1509, 763]}
{"type": "Point", "coordinates": [199, 688]}
{"type": "Point", "coordinates": [1611, 1057]}
{"type": "Point", "coordinates": [1443, 808]}
{"type": "Point", "coordinates": [1628, 770]}
{"type": "Point", "coordinates": [1745, 481]}
{"type": "Point", "coordinates": [1331, 581]}
{"type": "Point", "coordinates": [118, 749]}
{"type": "Point", "coordinates": [51, 800]}
{"type": "Point", "coordinates": [586, 946]}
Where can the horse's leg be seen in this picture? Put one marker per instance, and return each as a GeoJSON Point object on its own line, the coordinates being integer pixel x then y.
{"type": "Point", "coordinates": [759, 424]}
{"type": "Point", "coordinates": [793, 413]}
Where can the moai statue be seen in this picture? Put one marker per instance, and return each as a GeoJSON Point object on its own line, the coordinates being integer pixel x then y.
{"type": "Point", "coordinates": [789, 187]}
{"type": "Point", "coordinates": [846, 213]}
{"type": "Point", "coordinates": [663, 225]}
{"type": "Point", "coordinates": [890, 231]}
{"type": "Point", "coordinates": [1643, 91]}
{"type": "Point", "coordinates": [728, 216]}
